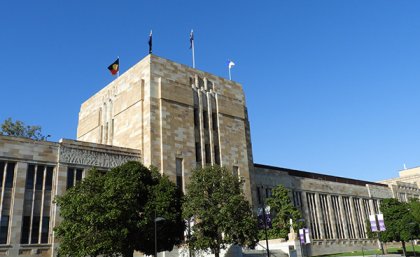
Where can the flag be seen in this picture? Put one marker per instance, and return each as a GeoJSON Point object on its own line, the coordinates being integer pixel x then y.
{"type": "Point", "coordinates": [191, 38]}
{"type": "Point", "coordinates": [114, 67]}
{"type": "Point", "coordinates": [381, 222]}
{"type": "Point", "coordinates": [150, 42]}
{"type": "Point", "coordinates": [373, 225]}
{"type": "Point", "coordinates": [230, 64]}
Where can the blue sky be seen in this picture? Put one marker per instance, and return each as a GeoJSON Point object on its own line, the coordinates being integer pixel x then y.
{"type": "Point", "coordinates": [332, 86]}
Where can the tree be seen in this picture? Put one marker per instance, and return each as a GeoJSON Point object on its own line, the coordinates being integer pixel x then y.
{"type": "Point", "coordinates": [414, 206]}
{"type": "Point", "coordinates": [399, 222]}
{"type": "Point", "coordinates": [114, 213]}
{"type": "Point", "coordinates": [282, 210]}
{"type": "Point", "coordinates": [222, 215]}
{"type": "Point", "coordinates": [20, 129]}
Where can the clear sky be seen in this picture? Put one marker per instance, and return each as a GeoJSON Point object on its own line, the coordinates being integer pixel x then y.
{"type": "Point", "coordinates": [332, 86]}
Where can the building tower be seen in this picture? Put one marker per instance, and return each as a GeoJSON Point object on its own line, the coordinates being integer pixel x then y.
{"type": "Point", "coordinates": [177, 116]}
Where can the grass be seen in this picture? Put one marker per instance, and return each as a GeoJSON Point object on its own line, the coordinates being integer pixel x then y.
{"type": "Point", "coordinates": [390, 250]}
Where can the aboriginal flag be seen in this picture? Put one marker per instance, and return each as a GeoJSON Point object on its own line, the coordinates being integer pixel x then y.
{"type": "Point", "coordinates": [114, 67]}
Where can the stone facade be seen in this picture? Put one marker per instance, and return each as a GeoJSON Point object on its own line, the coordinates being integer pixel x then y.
{"type": "Point", "coordinates": [27, 203]}
{"type": "Point", "coordinates": [335, 209]}
{"type": "Point", "coordinates": [176, 118]}
{"type": "Point", "coordinates": [170, 111]}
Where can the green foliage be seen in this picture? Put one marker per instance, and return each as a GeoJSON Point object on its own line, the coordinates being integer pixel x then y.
{"type": "Point", "coordinates": [221, 214]}
{"type": "Point", "coordinates": [370, 234]}
{"type": "Point", "coordinates": [400, 224]}
{"type": "Point", "coordinates": [282, 210]}
{"type": "Point", "coordinates": [113, 213]}
{"type": "Point", "coordinates": [19, 129]}
{"type": "Point", "coordinates": [414, 206]}
{"type": "Point", "coordinates": [398, 220]}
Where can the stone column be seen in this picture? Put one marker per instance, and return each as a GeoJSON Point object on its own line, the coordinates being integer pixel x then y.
{"type": "Point", "coordinates": [372, 208]}
{"type": "Point", "coordinates": [332, 217]}
{"type": "Point", "coordinates": [362, 210]}
{"type": "Point", "coordinates": [343, 217]}
{"type": "Point", "coordinates": [318, 216]}
{"type": "Point", "coordinates": [16, 210]}
{"type": "Point", "coordinates": [59, 187]}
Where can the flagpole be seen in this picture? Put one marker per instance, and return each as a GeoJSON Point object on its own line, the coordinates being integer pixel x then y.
{"type": "Point", "coordinates": [193, 58]}
{"type": "Point", "coordinates": [192, 47]}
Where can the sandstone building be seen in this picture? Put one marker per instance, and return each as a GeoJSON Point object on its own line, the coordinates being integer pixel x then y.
{"type": "Point", "coordinates": [176, 118]}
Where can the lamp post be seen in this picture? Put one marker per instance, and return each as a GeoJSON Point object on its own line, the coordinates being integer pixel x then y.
{"type": "Point", "coordinates": [157, 219]}
{"type": "Point", "coordinates": [265, 229]}
{"type": "Point", "coordinates": [412, 224]}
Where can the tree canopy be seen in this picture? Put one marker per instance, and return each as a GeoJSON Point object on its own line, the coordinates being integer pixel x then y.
{"type": "Point", "coordinates": [282, 210]}
{"type": "Point", "coordinates": [20, 129]}
{"type": "Point", "coordinates": [114, 213]}
{"type": "Point", "coordinates": [399, 222]}
{"type": "Point", "coordinates": [221, 214]}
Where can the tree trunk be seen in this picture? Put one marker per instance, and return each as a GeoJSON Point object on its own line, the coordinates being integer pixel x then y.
{"type": "Point", "coordinates": [128, 253]}
{"type": "Point", "coordinates": [403, 248]}
{"type": "Point", "coordinates": [216, 252]}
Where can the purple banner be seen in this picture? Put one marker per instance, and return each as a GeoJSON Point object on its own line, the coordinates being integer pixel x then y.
{"type": "Point", "coordinates": [373, 225]}
{"type": "Point", "coordinates": [302, 236]}
{"type": "Point", "coordinates": [261, 214]}
{"type": "Point", "coordinates": [307, 239]}
{"type": "Point", "coordinates": [268, 217]}
{"type": "Point", "coordinates": [381, 222]}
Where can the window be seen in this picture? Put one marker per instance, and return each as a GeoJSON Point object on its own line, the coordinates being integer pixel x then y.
{"type": "Point", "coordinates": [297, 198]}
{"type": "Point", "coordinates": [74, 175]}
{"type": "Point", "coordinates": [207, 151]}
{"type": "Point", "coordinates": [37, 204]}
{"type": "Point", "coordinates": [205, 119]}
{"type": "Point", "coordinates": [179, 171]}
{"type": "Point", "coordinates": [197, 152]}
{"type": "Point", "coordinates": [214, 120]}
{"type": "Point", "coordinates": [216, 154]}
{"type": "Point", "coordinates": [268, 192]}
{"type": "Point", "coordinates": [7, 172]}
{"type": "Point", "coordinates": [235, 171]}
{"type": "Point", "coordinates": [259, 195]}
{"type": "Point", "coordinates": [4, 227]}
{"type": "Point", "coordinates": [196, 117]}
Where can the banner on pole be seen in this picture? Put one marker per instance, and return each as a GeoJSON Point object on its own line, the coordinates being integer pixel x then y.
{"type": "Point", "coordinates": [307, 239]}
{"type": "Point", "coordinates": [373, 225]}
{"type": "Point", "coordinates": [264, 213]}
{"type": "Point", "coordinates": [302, 236]}
{"type": "Point", "coordinates": [381, 222]}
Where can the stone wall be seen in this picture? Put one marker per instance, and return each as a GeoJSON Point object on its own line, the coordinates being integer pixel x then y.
{"type": "Point", "coordinates": [46, 156]}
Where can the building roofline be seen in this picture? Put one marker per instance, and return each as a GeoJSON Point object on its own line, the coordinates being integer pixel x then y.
{"type": "Point", "coordinates": [313, 175]}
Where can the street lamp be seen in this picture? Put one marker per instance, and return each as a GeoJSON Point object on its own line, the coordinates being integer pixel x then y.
{"type": "Point", "coordinates": [157, 219]}
{"type": "Point", "coordinates": [412, 224]}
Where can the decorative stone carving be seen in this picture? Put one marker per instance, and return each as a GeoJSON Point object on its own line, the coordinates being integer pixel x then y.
{"type": "Point", "coordinates": [93, 158]}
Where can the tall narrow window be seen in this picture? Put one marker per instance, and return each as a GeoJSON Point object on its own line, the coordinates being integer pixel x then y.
{"type": "Point", "coordinates": [198, 153]}
{"type": "Point", "coordinates": [297, 199]}
{"type": "Point", "coordinates": [207, 152]}
{"type": "Point", "coordinates": [37, 204]}
{"type": "Point", "coordinates": [215, 129]}
{"type": "Point", "coordinates": [267, 192]}
{"type": "Point", "coordinates": [179, 171]}
{"type": "Point", "coordinates": [197, 130]}
{"type": "Point", "coordinates": [7, 172]}
{"type": "Point", "coordinates": [206, 119]}
{"type": "Point", "coordinates": [235, 171]}
{"type": "Point", "coordinates": [216, 154]}
{"type": "Point", "coordinates": [259, 195]}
